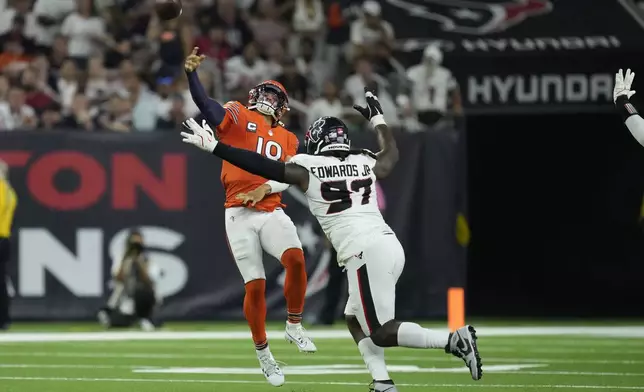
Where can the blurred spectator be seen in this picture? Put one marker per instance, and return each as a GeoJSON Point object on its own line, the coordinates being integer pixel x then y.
{"type": "Point", "coordinates": [311, 65]}
{"type": "Point", "coordinates": [275, 57]}
{"type": "Point", "coordinates": [214, 45]}
{"type": "Point", "coordinates": [225, 14]}
{"type": "Point", "coordinates": [35, 90]}
{"type": "Point", "coordinates": [51, 118]}
{"type": "Point", "coordinates": [174, 39]}
{"type": "Point", "coordinates": [144, 104]}
{"type": "Point", "coordinates": [4, 87]}
{"type": "Point", "coordinates": [297, 86]}
{"type": "Point", "coordinates": [246, 70]}
{"type": "Point", "coordinates": [86, 32]}
{"type": "Point", "coordinates": [17, 48]}
{"type": "Point", "coordinates": [67, 85]}
{"type": "Point", "coordinates": [58, 54]}
{"type": "Point", "coordinates": [117, 115]}
{"type": "Point", "coordinates": [433, 88]}
{"type": "Point", "coordinates": [50, 15]}
{"type": "Point", "coordinates": [328, 104]}
{"type": "Point", "coordinates": [308, 18]}
{"type": "Point", "coordinates": [97, 88]}
{"type": "Point", "coordinates": [365, 77]}
{"type": "Point", "coordinates": [176, 114]}
{"type": "Point", "coordinates": [266, 26]}
{"type": "Point", "coordinates": [82, 116]}
{"type": "Point", "coordinates": [369, 31]}
{"type": "Point", "coordinates": [15, 113]}
{"type": "Point", "coordinates": [19, 12]}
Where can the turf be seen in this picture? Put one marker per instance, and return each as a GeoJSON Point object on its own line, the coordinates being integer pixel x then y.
{"type": "Point", "coordinates": [226, 363]}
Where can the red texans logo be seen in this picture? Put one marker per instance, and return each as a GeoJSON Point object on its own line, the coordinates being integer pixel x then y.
{"type": "Point", "coordinates": [474, 17]}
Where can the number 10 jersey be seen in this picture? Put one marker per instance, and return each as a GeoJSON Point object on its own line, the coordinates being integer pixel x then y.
{"type": "Point", "coordinates": [342, 196]}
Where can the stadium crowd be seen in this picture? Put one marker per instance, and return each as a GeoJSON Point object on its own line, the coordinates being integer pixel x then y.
{"type": "Point", "coordinates": [112, 65]}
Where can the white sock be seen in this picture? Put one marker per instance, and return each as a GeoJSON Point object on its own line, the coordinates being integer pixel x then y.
{"type": "Point", "coordinates": [414, 336]}
{"type": "Point", "coordinates": [374, 358]}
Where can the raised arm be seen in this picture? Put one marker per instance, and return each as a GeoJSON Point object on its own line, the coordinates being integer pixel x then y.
{"type": "Point", "coordinates": [211, 109]}
{"type": "Point", "coordinates": [289, 173]}
{"type": "Point", "coordinates": [388, 155]}
{"type": "Point", "coordinates": [621, 95]}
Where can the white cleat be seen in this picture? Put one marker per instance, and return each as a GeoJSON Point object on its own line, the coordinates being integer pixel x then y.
{"type": "Point", "coordinates": [270, 368]}
{"type": "Point", "coordinates": [296, 334]}
{"type": "Point", "coordinates": [462, 343]}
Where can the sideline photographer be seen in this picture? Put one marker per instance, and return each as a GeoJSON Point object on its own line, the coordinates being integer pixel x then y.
{"type": "Point", "coordinates": [133, 296]}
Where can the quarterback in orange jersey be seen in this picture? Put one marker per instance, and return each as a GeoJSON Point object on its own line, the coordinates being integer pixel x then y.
{"type": "Point", "coordinates": [255, 226]}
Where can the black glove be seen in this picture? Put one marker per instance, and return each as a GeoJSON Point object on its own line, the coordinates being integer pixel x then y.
{"type": "Point", "coordinates": [373, 111]}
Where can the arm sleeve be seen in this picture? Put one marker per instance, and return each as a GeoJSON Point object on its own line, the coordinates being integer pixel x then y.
{"type": "Point", "coordinates": [251, 162]}
{"type": "Point", "coordinates": [212, 110]}
{"type": "Point", "coordinates": [634, 122]}
{"type": "Point", "coordinates": [291, 151]}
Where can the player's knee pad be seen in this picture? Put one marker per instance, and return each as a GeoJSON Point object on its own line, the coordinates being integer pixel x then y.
{"type": "Point", "coordinates": [293, 257]}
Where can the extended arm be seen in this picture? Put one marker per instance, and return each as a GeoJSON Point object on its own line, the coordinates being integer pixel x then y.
{"type": "Point", "coordinates": [387, 158]}
{"type": "Point", "coordinates": [621, 94]}
{"type": "Point", "coordinates": [250, 161]}
{"type": "Point", "coordinates": [211, 109]}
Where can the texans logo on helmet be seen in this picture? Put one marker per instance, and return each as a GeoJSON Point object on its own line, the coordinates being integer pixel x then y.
{"type": "Point", "coordinates": [474, 17]}
{"type": "Point", "coordinates": [315, 129]}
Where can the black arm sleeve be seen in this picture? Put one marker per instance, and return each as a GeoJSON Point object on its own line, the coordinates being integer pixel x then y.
{"type": "Point", "coordinates": [252, 162]}
{"type": "Point", "coordinates": [626, 109]}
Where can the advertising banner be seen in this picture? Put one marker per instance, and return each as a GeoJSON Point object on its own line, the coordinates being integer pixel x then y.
{"type": "Point", "coordinates": [79, 194]}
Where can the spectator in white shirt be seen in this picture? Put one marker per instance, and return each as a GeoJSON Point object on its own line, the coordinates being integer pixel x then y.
{"type": "Point", "coordinates": [14, 113]}
{"type": "Point", "coordinates": [328, 104]}
{"type": "Point", "coordinates": [247, 70]}
{"type": "Point", "coordinates": [20, 7]}
{"type": "Point", "coordinates": [144, 104]}
{"type": "Point", "coordinates": [308, 17]}
{"type": "Point", "coordinates": [50, 15]}
{"type": "Point", "coordinates": [369, 31]}
{"type": "Point", "coordinates": [434, 91]}
{"type": "Point", "coordinates": [67, 85]}
{"type": "Point", "coordinates": [85, 30]}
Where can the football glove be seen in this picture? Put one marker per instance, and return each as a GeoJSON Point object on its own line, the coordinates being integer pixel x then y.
{"type": "Point", "coordinates": [373, 110]}
{"type": "Point", "coordinates": [623, 84]}
{"type": "Point", "coordinates": [202, 136]}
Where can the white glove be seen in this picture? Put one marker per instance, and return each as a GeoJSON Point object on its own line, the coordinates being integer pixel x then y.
{"type": "Point", "coordinates": [202, 136]}
{"type": "Point", "coordinates": [623, 84]}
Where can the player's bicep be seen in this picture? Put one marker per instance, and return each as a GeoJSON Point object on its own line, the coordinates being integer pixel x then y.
{"type": "Point", "coordinates": [296, 175]}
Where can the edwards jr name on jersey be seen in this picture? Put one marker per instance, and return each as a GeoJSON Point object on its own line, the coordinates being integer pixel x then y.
{"type": "Point", "coordinates": [342, 196]}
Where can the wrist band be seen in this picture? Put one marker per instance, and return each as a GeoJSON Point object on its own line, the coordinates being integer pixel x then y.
{"type": "Point", "coordinates": [625, 107]}
{"type": "Point", "coordinates": [378, 119]}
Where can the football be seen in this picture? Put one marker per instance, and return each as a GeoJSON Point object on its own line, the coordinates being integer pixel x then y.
{"type": "Point", "coordinates": [168, 9]}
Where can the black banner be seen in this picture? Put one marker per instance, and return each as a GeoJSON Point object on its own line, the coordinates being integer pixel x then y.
{"type": "Point", "coordinates": [80, 193]}
{"type": "Point", "coordinates": [523, 56]}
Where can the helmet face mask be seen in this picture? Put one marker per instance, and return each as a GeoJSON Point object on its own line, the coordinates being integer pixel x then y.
{"type": "Point", "coordinates": [327, 136]}
{"type": "Point", "coordinates": [269, 98]}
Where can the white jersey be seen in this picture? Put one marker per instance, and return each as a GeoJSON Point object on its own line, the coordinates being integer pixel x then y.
{"type": "Point", "coordinates": [430, 91]}
{"type": "Point", "coordinates": [342, 196]}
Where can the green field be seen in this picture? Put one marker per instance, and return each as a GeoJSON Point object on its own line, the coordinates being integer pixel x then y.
{"type": "Point", "coordinates": [211, 357]}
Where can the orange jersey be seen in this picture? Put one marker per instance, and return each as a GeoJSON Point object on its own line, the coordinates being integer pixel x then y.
{"type": "Point", "coordinates": [244, 128]}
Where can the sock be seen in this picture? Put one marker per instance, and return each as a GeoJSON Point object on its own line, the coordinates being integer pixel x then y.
{"type": "Point", "coordinates": [295, 283]}
{"type": "Point", "coordinates": [255, 311]}
{"type": "Point", "coordinates": [414, 336]}
{"type": "Point", "coordinates": [374, 358]}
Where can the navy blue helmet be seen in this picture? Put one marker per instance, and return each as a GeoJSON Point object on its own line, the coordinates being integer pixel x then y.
{"type": "Point", "coordinates": [327, 135]}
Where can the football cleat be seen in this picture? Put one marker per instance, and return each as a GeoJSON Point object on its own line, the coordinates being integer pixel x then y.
{"type": "Point", "coordinates": [296, 334]}
{"type": "Point", "coordinates": [270, 368]}
{"type": "Point", "coordinates": [382, 386]}
{"type": "Point", "coordinates": [462, 344]}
